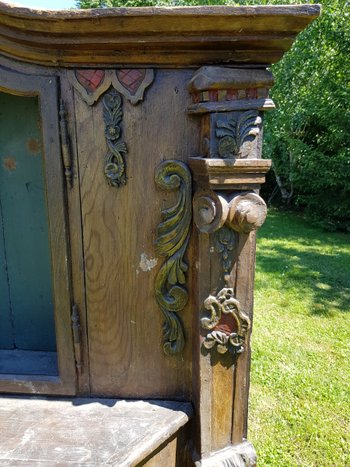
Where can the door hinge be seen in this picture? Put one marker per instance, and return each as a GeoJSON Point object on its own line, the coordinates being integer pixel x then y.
{"type": "Point", "coordinates": [76, 337]}
{"type": "Point", "coordinates": [66, 152]}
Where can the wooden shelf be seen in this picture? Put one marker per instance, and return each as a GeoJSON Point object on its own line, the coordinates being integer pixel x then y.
{"type": "Point", "coordinates": [89, 432]}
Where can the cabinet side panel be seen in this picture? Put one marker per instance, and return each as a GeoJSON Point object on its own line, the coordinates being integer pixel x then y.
{"type": "Point", "coordinates": [119, 229]}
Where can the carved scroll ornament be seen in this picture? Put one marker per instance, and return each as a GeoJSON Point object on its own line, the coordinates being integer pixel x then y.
{"type": "Point", "coordinates": [242, 212]}
{"type": "Point", "coordinates": [222, 307]}
{"type": "Point", "coordinates": [114, 169]}
{"type": "Point", "coordinates": [172, 239]}
{"type": "Point", "coordinates": [227, 323]}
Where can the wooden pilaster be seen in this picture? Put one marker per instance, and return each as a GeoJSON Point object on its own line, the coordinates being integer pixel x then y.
{"type": "Point", "coordinates": [227, 212]}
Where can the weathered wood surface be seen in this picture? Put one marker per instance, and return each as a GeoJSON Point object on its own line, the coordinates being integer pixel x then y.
{"type": "Point", "coordinates": [85, 432]}
{"type": "Point", "coordinates": [76, 237]}
{"type": "Point", "coordinates": [119, 230]}
{"type": "Point", "coordinates": [152, 36]}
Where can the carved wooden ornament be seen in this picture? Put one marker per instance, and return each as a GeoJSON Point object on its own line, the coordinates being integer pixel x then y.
{"type": "Point", "coordinates": [227, 323]}
{"type": "Point", "coordinates": [173, 235]}
{"type": "Point", "coordinates": [130, 82]}
{"type": "Point", "coordinates": [115, 165]}
{"type": "Point", "coordinates": [233, 134]}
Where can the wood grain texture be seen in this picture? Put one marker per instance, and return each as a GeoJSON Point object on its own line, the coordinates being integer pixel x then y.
{"type": "Point", "coordinates": [244, 293]}
{"type": "Point", "coordinates": [124, 324]}
{"type": "Point", "coordinates": [76, 234]}
{"type": "Point", "coordinates": [87, 432]}
{"type": "Point", "coordinates": [152, 36]}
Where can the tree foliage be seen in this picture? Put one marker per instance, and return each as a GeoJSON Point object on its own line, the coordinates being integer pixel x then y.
{"type": "Point", "coordinates": [308, 137]}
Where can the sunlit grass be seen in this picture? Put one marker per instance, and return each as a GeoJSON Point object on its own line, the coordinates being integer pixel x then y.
{"type": "Point", "coordinates": [300, 389]}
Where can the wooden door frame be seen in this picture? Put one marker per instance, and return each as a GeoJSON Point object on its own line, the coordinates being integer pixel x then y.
{"type": "Point", "coordinates": [46, 89]}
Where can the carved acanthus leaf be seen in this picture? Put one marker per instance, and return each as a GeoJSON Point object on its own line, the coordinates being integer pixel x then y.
{"type": "Point", "coordinates": [172, 239]}
{"type": "Point", "coordinates": [115, 170]}
{"type": "Point", "coordinates": [234, 133]}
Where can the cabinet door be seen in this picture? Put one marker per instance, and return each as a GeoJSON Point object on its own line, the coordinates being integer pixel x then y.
{"type": "Point", "coordinates": [36, 346]}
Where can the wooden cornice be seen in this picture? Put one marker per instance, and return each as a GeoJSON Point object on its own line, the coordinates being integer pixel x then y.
{"type": "Point", "coordinates": [185, 36]}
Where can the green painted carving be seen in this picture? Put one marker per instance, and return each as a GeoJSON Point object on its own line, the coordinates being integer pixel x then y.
{"type": "Point", "coordinates": [233, 133]}
{"type": "Point", "coordinates": [172, 239]}
{"type": "Point", "coordinates": [225, 239]}
{"type": "Point", "coordinates": [115, 169]}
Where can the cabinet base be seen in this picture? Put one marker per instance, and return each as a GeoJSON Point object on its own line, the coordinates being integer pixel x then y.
{"type": "Point", "coordinates": [241, 455]}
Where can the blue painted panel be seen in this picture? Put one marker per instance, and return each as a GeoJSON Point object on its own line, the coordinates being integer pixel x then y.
{"type": "Point", "coordinates": [25, 221]}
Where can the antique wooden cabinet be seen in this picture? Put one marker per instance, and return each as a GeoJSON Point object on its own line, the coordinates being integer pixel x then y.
{"type": "Point", "coordinates": [118, 127]}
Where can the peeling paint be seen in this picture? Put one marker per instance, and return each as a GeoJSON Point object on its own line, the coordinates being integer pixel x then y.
{"type": "Point", "coordinates": [33, 146]}
{"type": "Point", "coordinates": [10, 164]}
{"type": "Point", "coordinates": [147, 264]}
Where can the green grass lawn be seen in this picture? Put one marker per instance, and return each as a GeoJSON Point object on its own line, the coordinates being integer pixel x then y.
{"type": "Point", "coordinates": [300, 379]}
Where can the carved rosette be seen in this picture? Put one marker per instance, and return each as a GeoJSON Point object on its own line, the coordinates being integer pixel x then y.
{"type": "Point", "coordinates": [114, 169]}
{"type": "Point", "coordinates": [173, 235]}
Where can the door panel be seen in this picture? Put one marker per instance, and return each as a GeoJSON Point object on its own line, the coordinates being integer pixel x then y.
{"type": "Point", "coordinates": [119, 226]}
{"type": "Point", "coordinates": [35, 239]}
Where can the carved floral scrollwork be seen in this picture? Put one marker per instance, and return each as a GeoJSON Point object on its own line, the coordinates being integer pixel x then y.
{"type": "Point", "coordinates": [226, 321]}
{"type": "Point", "coordinates": [224, 305]}
{"type": "Point", "coordinates": [234, 133]}
{"type": "Point", "coordinates": [115, 170]}
{"type": "Point", "coordinates": [172, 240]}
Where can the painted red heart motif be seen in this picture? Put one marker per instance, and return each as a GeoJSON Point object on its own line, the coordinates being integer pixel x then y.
{"type": "Point", "coordinates": [90, 79]}
{"type": "Point", "coordinates": [131, 78]}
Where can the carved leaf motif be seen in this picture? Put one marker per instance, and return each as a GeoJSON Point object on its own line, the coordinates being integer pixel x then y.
{"type": "Point", "coordinates": [234, 133]}
{"type": "Point", "coordinates": [115, 171]}
{"type": "Point", "coordinates": [172, 239]}
{"type": "Point", "coordinates": [224, 242]}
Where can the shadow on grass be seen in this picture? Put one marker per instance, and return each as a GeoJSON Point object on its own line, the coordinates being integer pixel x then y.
{"type": "Point", "coordinates": [305, 258]}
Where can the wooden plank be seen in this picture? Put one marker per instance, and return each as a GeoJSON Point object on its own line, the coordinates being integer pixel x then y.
{"type": "Point", "coordinates": [244, 293]}
{"type": "Point", "coordinates": [222, 365]}
{"type": "Point", "coordinates": [76, 234]}
{"type": "Point", "coordinates": [25, 223]}
{"type": "Point", "coordinates": [85, 432]}
{"type": "Point", "coordinates": [6, 328]}
{"type": "Point", "coordinates": [125, 323]}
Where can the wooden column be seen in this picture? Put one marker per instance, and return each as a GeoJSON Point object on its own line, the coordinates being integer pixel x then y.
{"type": "Point", "coordinates": [227, 211]}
